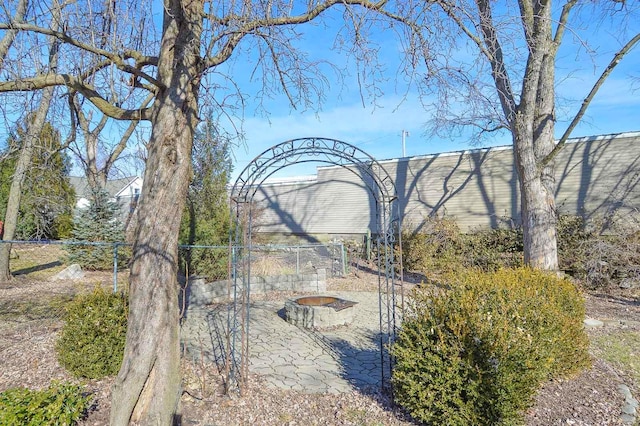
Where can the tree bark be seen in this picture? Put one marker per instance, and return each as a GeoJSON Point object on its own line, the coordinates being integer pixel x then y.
{"type": "Point", "coordinates": [10, 35]}
{"type": "Point", "coordinates": [147, 388]}
{"type": "Point", "coordinates": [533, 141]}
{"type": "Point", "coordinates": [537, 207]}
{"type": "Point", "coordinates": [96, 178]}
{"type": "Point", "coordinates": [15, 192]}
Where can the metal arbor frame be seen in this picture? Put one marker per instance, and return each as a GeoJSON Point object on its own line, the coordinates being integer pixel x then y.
{"type": "Point", "coordinates": [381, 188]}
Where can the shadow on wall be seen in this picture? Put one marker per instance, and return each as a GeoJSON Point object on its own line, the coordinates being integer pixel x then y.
{"type": "Point", "coordinates": [463, 186]}
{"type": "Point", "coordinates": [600, 179]}
{"type": "Point", "coordinates": [320, 205]}
{"type": "Point", "coordinates": [596, 177]}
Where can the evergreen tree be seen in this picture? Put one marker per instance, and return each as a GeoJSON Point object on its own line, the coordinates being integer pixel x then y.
{"type": "Point", "coordinates": [97, 223]}
{"type": "Point", "coordinates": [206, 220]}
{"type": "Point", "coordinates": [46, 206]}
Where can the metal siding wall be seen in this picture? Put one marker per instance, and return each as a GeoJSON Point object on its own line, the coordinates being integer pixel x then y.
{"type": "Point", "coordinates": [476, 188]}
{"type": "Point", "coordinates": [599, 178]}
{"type": "Point", "coordinates": [352, 209]}
{"type": "Point", "coordinates": [337, 203]}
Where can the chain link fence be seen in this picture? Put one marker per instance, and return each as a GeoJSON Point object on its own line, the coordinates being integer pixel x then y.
{"type": "Point", "coordinates": [45, 279]}
{"type": "Point", "coordinates": [34, 304]}
{"type": "Point", "coordinates": [46, 260]}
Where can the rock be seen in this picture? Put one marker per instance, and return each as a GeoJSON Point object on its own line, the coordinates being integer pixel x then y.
{"type": "Point", "coordinates": [628, 409]}
{"type": "Point", "coordinates": [627, 419]}
{"type": "Point", "coordinates": [592, 322]}
{"type": "Point", "coordinates": [625, 391]}
{"type": "Point", "coordinates": [629, 283]}
{"type": "Point", "coordinates": [72, 272]}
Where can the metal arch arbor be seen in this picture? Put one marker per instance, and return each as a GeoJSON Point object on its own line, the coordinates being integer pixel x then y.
{"type": "Point", "coordinates": [382, 190]}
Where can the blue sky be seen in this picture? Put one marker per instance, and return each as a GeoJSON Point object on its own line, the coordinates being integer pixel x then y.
{"type": "Point", "coordinates": [378, 130]}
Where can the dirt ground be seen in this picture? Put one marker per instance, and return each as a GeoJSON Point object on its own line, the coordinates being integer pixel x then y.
{"type": "Point", "coordinates": [30, 318]}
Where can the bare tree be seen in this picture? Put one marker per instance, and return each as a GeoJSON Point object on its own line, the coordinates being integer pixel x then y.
{"type": "Point", "coordinates": [491, 66]}
{"type": "Point", "coordinates": [105, 47]}
{"type": "Point", "coordinates": [34, 129]}
{"type": "Point", "coordinates": [97, 156]}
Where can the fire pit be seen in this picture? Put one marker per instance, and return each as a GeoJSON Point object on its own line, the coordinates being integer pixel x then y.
{"type": "Point", "coordinates": [319, 311]}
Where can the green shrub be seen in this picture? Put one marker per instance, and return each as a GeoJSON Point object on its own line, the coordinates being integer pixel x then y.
{"type": "Point", "coordinates": [59, 404]}
{"type": "Point", "coordinates": [477, 353]}
{"type": "Point", "coordinates": [440, 248]}
{"type": "Point", "coordinates": [91, 343]}
{"type": "Point", "coordinates": [212, 262]}
{"type": "Point", "coordinates": [206, 220]}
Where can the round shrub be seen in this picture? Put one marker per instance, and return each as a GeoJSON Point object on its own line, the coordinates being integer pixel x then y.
{"type": "Point", "coordinates": [59, 404]}
{"type": "Point", "coordinates": [477, 353]}
{"type": "Point", "coordinates": [91, 343]}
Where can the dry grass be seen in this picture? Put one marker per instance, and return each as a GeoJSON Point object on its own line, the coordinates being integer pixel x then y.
{"type": "Point", "coordinates": [38, 262]}
{"type": "Point", "coordinates": [269, 265]}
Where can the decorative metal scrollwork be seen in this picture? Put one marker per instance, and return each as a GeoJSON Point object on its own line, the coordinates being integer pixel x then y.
{"type": "Point", "coordinates": [330, 151]}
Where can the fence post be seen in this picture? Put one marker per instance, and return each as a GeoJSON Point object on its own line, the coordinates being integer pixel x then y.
{"type": "Point", "coordinates": [115, 267]}
{"type": "Point", "coordinates": [368, 245]}
{"type": "Point", "coordinates": [343, 251]}
{"type": "Point", "coordinates": [297, 260]}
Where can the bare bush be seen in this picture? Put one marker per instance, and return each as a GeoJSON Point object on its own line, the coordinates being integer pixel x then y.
{"type": "Point", "coordinates": [614, 259]}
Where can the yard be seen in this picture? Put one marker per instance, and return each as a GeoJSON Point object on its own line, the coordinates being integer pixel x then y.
{"type": "Point", "coordinates": [31, 309]}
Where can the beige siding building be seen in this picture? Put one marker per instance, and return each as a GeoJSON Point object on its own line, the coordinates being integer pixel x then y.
{"type": "Point", "coordinates": [596, 177]}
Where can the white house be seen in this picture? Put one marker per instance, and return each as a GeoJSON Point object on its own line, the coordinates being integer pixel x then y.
{"type": "Point", "coordinates": [124, 191]}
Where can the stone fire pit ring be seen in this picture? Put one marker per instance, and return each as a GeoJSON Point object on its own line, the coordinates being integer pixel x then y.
{"type": "Point", "coordinates": [317, 312]}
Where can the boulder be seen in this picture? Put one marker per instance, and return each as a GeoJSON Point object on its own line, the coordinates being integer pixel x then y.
{"type": "Point", "coordinates": [72, 272]}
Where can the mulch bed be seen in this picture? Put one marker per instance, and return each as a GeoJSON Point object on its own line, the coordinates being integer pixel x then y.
{"type": "Point", "coordinates": [27, 354]}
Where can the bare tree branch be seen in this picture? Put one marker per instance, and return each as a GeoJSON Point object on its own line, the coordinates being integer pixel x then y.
{"type": "Point", "coordinates": [562, 23]}
{"type": "Point", "coordinates": [49, 80]}
{"type": "Point", "coordinates": [585, 103]}
{"type": "Point", "coordinates": [124, 139]}
{"type": "Point", "coordinates": [496, 59]}
{"type": "Point", "coordinates": [10, 35]}
{"type": "Point", "coordinates": [116, 59]}
{"type": "Point", "coordinates": [251, 26]}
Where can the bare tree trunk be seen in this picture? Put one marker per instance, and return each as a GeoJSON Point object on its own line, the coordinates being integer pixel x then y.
{"type": "Point", "coordinates": [533, 141]}
{"type": "Point", "coordinates": [34, 128]}
{"type": "Point", "coordinates": [147, 388]}
{"type": "Point", "coordinates": [538, 211]}
{"type": "Point", "coordinates": [10, 35]}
